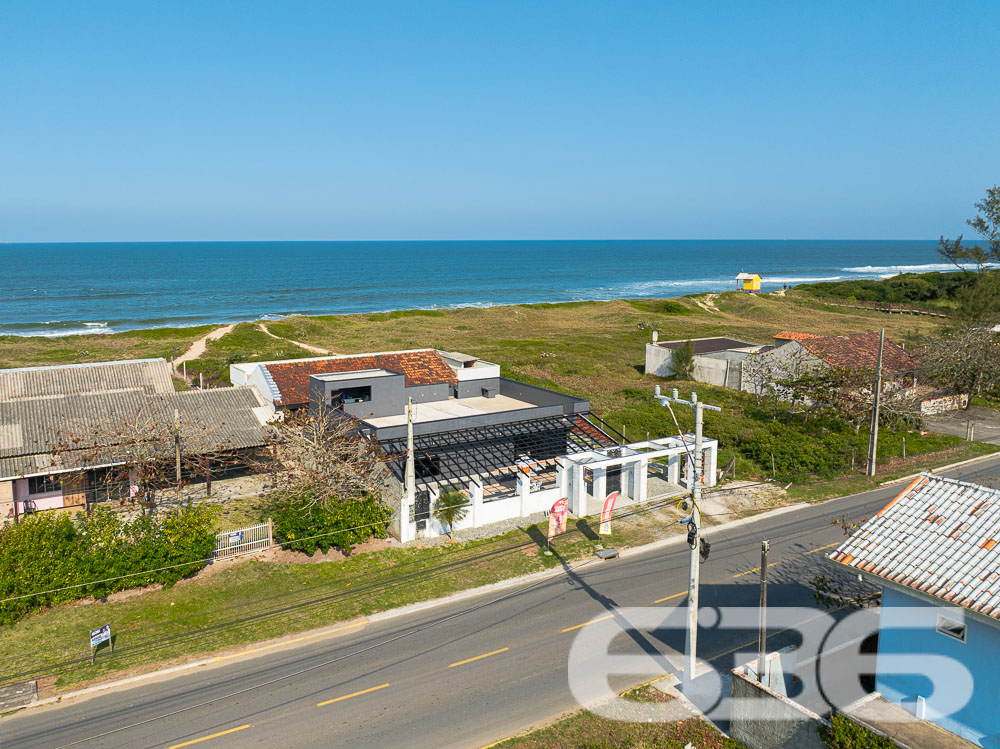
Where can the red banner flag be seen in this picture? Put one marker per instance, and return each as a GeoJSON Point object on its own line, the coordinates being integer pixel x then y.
{"type": "Point", "coordinates": [609, 507]}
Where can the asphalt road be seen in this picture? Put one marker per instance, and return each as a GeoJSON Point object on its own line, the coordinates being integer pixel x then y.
{"type": "Point", "coordinates": [464, 674]}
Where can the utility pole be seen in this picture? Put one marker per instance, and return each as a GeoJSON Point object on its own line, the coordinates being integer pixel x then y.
{"type": "Point", "coordinates": [411, 477]}
{"type": "Point", "coordinates": [177, 450]}
{"type": "Point", "coordinates": [765, 546]}
{"type": "Point", "coordinates": [873, 441]}
{"type": "Point", "coordinates": [694, 526]}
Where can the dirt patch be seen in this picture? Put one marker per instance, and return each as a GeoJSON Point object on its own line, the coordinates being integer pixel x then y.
{"type": "Point", "coordinates": [283, 556]}
{"type": "Point", "coordinates": [739, 498]}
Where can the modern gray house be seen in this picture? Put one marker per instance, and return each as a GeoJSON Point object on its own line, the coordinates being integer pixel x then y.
{"type": "Point", "coordinates": [511, 447]}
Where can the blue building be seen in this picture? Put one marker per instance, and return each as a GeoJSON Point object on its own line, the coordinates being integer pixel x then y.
{"type": "Point", "coordinates": [934, 550]}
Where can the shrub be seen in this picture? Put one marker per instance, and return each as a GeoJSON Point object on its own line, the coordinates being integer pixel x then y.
{"type": "Point", "coordinates": [49, 550]}
{"type": "Point", "coordinates": [340, 524]}
{"type": "Point", "coordinates": [845, 734]}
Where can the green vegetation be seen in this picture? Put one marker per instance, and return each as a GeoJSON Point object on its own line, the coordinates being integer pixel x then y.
{"type": "Point", "coordinates": [936, 290]}
{"type": "Point", "coordinates": [325, 525]}
{"type": "Point", "coordinates": [451, 507]}
{"type": "Point", "coordinates": [246, 343]}
{"type": "Point", "coordinates": [846, 734]}
{"type": "Point", "coordinates": [19, 351]}
{"type": "Point", "coordinates": [54, 550]}
{"type": "Point", "coordinates": [249, 601]}
{"type": "Point", "coordinates": [584, 730]}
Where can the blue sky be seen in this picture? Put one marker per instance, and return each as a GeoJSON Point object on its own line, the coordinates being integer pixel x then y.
{"type": "Point", "coordinates": [425, 120]}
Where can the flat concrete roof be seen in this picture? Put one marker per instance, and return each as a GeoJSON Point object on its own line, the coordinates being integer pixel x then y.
{"type": "Point", "coordinates": [361, 374]}
{"type": "Point", "coordinates": [709, 345]}
{"type": "Point", "coordinates": [453, 408]}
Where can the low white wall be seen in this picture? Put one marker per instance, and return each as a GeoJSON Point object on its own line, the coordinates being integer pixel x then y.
{"type": "Point", "coordinates": [945, 403]}
{"type": "Point", "coordinates": [659, 360]}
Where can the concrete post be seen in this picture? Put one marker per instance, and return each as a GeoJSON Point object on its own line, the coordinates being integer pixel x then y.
{"type": "Point", "coordinates": [712, 463]}
{"type": "Point", "coordinates": [431, 525]}
{"type": "Point", "coordinates": [578, 500]}
{"type": "Point", "coordinates": [674, 469]}
{"type": "Point", "coordinates": [523, 489]}
{"type": "Point", "coordinates": [641, 472]}
{"type": "Point", "coordinates": [562, 478]}
{"type": "Point", "coordinates": [600, 487]}
{"type": "Point", "coordinates": [476, 498]}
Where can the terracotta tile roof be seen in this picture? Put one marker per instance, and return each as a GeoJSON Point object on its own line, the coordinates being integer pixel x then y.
{"type": "Point", "coordinates": [938, 536]}
{"type": "Point", "coordinates": [426, 367]}
{"type": "Point", "coordinates": [791, 335]}
{"type": "Point", "coordinates": [859, 351]}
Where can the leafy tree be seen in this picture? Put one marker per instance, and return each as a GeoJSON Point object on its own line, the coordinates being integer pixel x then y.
{"type": "Point", "coordinates": [683, 360]}
{"type": "Point", "coordinates": [979, 304]}
{"type": "Point", "coordinates": [987, 225]}
{"type": "Point", "coordinates": [450, 508]}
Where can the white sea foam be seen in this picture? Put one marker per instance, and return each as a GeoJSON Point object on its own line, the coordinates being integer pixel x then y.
{"type": "Point", "coordinates": [892, 270]}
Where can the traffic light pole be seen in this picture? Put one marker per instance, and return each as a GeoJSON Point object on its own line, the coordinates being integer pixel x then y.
{"type": "Point", "coordinates": [694, 527]}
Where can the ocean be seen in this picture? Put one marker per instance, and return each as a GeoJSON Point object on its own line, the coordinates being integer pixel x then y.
{"type": "Point", "coordinates": [63, 289]}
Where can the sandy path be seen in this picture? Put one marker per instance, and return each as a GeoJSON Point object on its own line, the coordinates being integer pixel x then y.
{"type": "Point", "coordinates": [314, 349]}
{"type": "Point", "coordinates": [198, 347]}
{"type": "Point", "coordinates": [708, 303]}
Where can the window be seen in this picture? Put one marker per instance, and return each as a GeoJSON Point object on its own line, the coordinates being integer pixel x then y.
{"type": "Point", "coordinates": [43, 484]}
{"type": "Point", "coordinates": [351, 395]}
{"type": "Point", "coordinates": [951, 628]}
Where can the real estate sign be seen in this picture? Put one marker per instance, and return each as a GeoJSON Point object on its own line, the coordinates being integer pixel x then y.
{"type": "Point", "coordinates": [99, 635]}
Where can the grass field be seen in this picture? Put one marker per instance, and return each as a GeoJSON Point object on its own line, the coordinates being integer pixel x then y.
{"type": "Point", "coordinates": [209, 613]}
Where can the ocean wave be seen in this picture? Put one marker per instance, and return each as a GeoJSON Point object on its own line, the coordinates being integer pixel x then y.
{"type": "Point", "coordinates": [892, 270]}
{"type": "Point", "coordinates": [797, 279]}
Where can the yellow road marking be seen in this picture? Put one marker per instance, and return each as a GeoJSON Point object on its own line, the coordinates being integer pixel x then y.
{"type": "Point", "coordinates": [478, 657]}
{"type": "Point", "coordinates": [821, 548]}
{"type": "Point", "coordinates": [353, 694]}
{"type": "Point", "coordinates": [592, 621]}
{"type": "Point", "coordinates": [668, 598]}
{"type": "Point", "coordinates": [750, 572]}
{"type": "Point", "coordinates": [283, 642]}
{"type": "Point", "coordinates": [213, 736]}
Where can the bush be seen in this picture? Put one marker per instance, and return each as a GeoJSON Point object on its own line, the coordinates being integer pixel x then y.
{"type": "Point", "coordinates": [340, 524]}
{"type": "Point", "coordinates": [54, 550]}
{"type": "Point", "coordinates": [845, 734]}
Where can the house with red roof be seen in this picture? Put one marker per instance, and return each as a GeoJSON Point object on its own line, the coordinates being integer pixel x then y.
{"type": "Point", "coordinates": [935, 552]}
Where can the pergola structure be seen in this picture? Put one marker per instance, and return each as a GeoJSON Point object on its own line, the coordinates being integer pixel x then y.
{"type": "Point", "coordinates": [494, 452]}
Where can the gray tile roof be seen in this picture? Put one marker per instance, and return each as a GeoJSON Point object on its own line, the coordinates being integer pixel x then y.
{"type": "Point", "coordinates": [940, 537]}
{"type": "Point", "coordinates": [48, 430]}
{"type": "Point", "coordinates": [148, 376]}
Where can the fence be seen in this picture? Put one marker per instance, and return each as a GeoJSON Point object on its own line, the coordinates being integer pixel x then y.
{"type": "Point", "coordinates": [230, 544]}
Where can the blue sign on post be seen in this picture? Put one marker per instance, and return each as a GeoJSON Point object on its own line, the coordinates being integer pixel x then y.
{"type": "Point", "coordinates": [97, 636]}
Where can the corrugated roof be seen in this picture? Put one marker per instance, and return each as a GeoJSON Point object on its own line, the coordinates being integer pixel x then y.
{"type": "Point", "coordinates": [859, 351]}
{"type": "Point", "coordinates": [149, 376]}
{"type": "Point", "coordinates": [422, 367]}
{"type": "Point", "coordinates": [53, 434]}
{"type": "Point", "coordinates": [938, 536]}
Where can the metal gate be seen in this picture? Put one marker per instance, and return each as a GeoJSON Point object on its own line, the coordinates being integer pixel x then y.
{"type": "Point", "coordinates": [614, 479]}
{"type": "Point", "coordinates": [242, 541]}
{"type": "Point", "coordinates": [421, 506]}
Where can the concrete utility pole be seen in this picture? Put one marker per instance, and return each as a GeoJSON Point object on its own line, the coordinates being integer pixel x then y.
{"type": "Point", "coordinates": [694, 526]}
{"type": "Point", "coordinates": [765, 546]}
{"type": "Point", "coordinates": [411, 476]}
{"type": "Point", "coordinates": [873, 440]}
{"type": "Point", "coordinates": [177, 450]}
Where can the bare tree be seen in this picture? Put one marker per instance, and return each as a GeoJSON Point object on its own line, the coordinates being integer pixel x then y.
{"type": "Point", "coordinates": [145, 446]}
{"type": "Point", "coordinates": [322, 457]}
{"type": "Point", "coordinates": [966, 360]}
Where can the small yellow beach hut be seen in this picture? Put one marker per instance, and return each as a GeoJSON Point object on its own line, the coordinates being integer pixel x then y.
{"type": "Point", "coordinates": [748, 282]}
